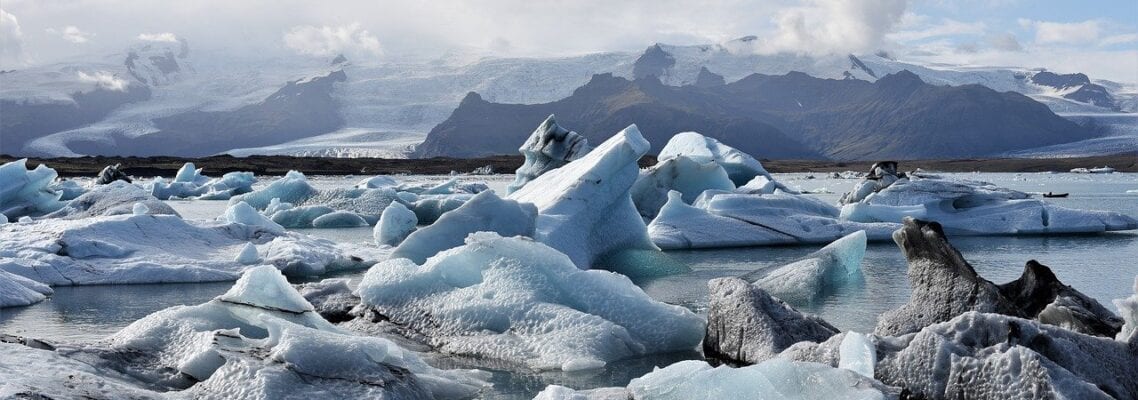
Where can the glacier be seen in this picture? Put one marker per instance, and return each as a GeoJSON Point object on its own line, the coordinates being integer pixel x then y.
{"type": "Point", "coordinates": [522, 302]}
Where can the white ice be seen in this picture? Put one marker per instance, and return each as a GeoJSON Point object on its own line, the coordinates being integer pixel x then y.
{"type": "Point", "coordinates": [16, 290]}
{"type": "Point", "coordinates": [680, 173]}
{"type": "Point", "coordinates": [1128, 309]}
{"type": "Point", "coordinates": [724, 219]}
{"type": "Point", "coordinates": [520, 301]}
{"type": "Point", "coordinates": [818, 273]}
{"type": "Point", "coordinates": [740, 166]}
{"type": "Point", "coordinates": [26, 193]}
{"type": "Point", "coordinates": [248, 255]}
{"type": "Point", "coordinates": [858, 354]}
{"type": "Point", "coordinates": [486, 212]}
{"type": "Point", "coordinates": [396, 222]}
{"type": "Point", "coordinates": [965, 207]}
{"type": "Point", "coordinates": [190, 183]}
{"type": "Point", "coordinates": [115, 198]}
{"type": "Point", "coordinates": [243, 213]}
{"type": "Point", "coordinates": [584, 207]}
{"type": "Point", "coordinates": [772, 379]}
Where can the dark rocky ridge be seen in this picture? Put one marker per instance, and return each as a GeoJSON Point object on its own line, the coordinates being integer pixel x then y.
{"type": "Point", "coordinates": [785, 116]}
{"type": "Point", "coordinates": [1087, 92]}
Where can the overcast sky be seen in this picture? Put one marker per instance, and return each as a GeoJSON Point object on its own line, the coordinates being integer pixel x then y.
{"type": "Point", "coordinates": [1099, 38]}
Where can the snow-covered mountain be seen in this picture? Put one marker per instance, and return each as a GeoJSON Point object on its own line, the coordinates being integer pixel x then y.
{"type": "Point", "coordinates": [107, 105]}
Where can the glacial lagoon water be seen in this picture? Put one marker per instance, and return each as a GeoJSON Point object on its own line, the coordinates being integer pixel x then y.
{"type": "Point", "coordinates": [1102, 266]}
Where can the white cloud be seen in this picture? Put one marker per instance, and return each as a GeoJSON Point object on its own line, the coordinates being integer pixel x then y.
{"type": "Point", "coordinates": [1125, 38]}
{"type": "Point", "coordinates": [332, 40]}
{"type": "Point", "coordinates": [1063, 32]}
{"type": "Point", "coordinates": [833, 26]}
{"type": "Point", "coordinates": [158, 37]}
{"type": "Point", "coordinates": [71, 34]}
{"type": "Point", "coordinates": [947, 27]}
{"type": "Point", "coordinates": [1005, 42]}
{"type": "Point", "coordinates": [11, 39]}
{"type": "Point", "coordinates": [104, 80]}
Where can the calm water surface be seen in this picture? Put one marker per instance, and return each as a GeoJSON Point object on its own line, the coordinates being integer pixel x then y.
{"type": "Point", "coordinates": [1102, 266]}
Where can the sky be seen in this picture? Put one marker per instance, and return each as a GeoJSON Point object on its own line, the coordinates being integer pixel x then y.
{"type": "Point", "coordinates": [1099, 38]}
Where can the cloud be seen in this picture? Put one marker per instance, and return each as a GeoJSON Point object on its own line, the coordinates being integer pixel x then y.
{"type": "Point", "coordinates": [71, 34]}
{"type": "Point", "coordinates": [833, 26]}
{"type": "Point", "coordinates": [1005, 42]}
{"type": "Point", "coordinates": [1125, 38]}
{"type": "Point", "coordinates": [158, 37]}
{"type": "Point", "coordinates": [332, 40]}
{"type": "Point", "coordinates": [1063, 32]}
{"type": "Point", "coordinates": [920, 30]}
{"type": "Point", "coordinates": [11, 39]}
{"type": "Point", "coordinates": [104, 79]}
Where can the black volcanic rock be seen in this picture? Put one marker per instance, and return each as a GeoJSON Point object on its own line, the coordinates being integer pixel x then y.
{"type": "Point", "coordinates": [655, 62]}
{"type": "Point", "coordinates": [24, 122]}
{"type": "Point", "coordinates": [706, 78]}
{"type": "Point", "coordinates": [945, 286]}
{"type": "Point", "coordinates": [777, 116]}
{"type": "Point", "coordinates": [745, 325]}
{"type": "Point", "coordinates": [598, 110]}
{"type": "Point", "coordinates": [1058, 81]}
{"type": "Point", "coordinates": [300, 109]}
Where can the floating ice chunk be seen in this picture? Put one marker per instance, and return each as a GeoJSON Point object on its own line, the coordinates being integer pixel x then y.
{"type": "Point", "coordinates": [378, 181]}
{"type": "Point", "coordinates": [26, 193]}
{"type": "Point", "coordinates": [1128, 309]}
{"type": "Point", "coordinates": [858, 354]}
{"type": "Point", "coordinates": [773, 379]}
{"type": "Point", "coordinates": [248, 255]}
{"type": "Point", "coordinates": [723, 219]}
{"type": "Point", "coordinates": [30, 372]}
{"type": "Point", "coordinates": [745, 325]}
{"type": "Point", "coordinates": [25, 219]}
{"type": "Point", "coordinates": [140, 209]}
{"type": "Point", "coordinates": [332, 298]}
{"type": "Point", "coordinates": [682, 174]}
{"type": "Point", "coordinates": [3, 218]}
{"type": "Point", "coordinates": [243, 213]}
{"type": "Point", "coordinates": [819, 273]}
{"type": "Point", "coordinates": [339, 219]}
{"type": "Point", "coordinates": [16, 290]}
{"type": "Point", "coordinates": [292, 188]}
{"type": "Point", "coordinates": [964, 207]}
{"type": "Point", "coordinates": [115, 198]}
{"type": "Point", "coordinates": [520, 301]}
{"type": "Point", "coordinates": [265, 287]}
{"type": "Point", "coordinates": [396, 222]}
{"type": "Point", "coordinates": [189, 173]}
{"type": "Point", "coordinates": [549, 147]}
{"type": "Point", "coordinates": [124, 249]}
{"type": "Point", "coordinates": [190, 183]}
{"type": "Point", "coordinates": [486, 212]}
{"type": "Point", "coordinates": [740, 166]}
{"type": "Point", "coordinates": [584, 207]}
{"type": "Point", "coordinates": [762, 184]}
{"type": "Point", "coordinates": [68, 189]}
{"type": "Point", "coordinates": [296, 217]}
{"type": "Point", "coordinates": [428, 208]}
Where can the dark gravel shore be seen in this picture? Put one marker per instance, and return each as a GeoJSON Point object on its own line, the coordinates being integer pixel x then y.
{"type": "Point", "coordinates": [278, 165]}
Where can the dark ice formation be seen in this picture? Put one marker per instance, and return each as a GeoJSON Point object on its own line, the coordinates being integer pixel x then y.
{"type": "Point", "coordinates": [112, 173]}
{"type": "Point", "coordinates": [745, 325]}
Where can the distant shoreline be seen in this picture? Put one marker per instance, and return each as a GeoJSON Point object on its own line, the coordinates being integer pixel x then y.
{"type": "Point", "coordinates": [278, 165]}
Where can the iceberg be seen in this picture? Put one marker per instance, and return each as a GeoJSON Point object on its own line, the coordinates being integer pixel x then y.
{"type": "Point", "coordinates": [243, 213]}
{"type": "Point", "coordinates": [115, 198]}
{"type": "Point", "coordinates": [248, 255]}
{"type": "Point", "coordinates": [944, 286]}
{"type": "Point", "coordinates": [819, 273]}
{"type": "Point", "coordinates": [1128, 309]}
{"type": "Point", "coordinates": [124, 249]}
{"type": "Point", "coordinates": [584, 207]}
{"type": "Point", "coordinates": [486, 212]}
{"type": "Point", "coordinates": [396, 222]}
{"type": "Point", "coordinates": [27, 193]}
{"type": "Point", "coordinates": [857, 353]}
{"type": "Point", "coordinates": [682, 174]}
{"type": "Point", "coordinates": [378, 181]}
{"type": "Point", "coordinates": [294, 203]}
{"type": "Point", "coordinates": [746, 325]}
{"type": "Point", "coordinates": [259, 340]}
{"type": "Point", "coordinates": [774, 379]}
{"type": "Point", "coordinates": [16, 290]}
{"type": "Point", "coordinates": [112, 173]}
{"type": "Point", "coordinates": [965, 207]}
{"type": "Point", "coordinates": [332, 298]}
{"type": "Point", "coordinates": [522, 302]}
{"type": "Point", "coordinates": [725, 219]}
{"type": "Point", "coordinates": [740, 167]}
{"type": "Point", "coordinates": [549, 147]}
{"type": "Point", "coordinates": [68, 189]}
{"type": "Point", "coordinates": [428, 208]}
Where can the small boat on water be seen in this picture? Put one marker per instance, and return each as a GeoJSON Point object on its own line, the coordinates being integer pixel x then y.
{"type": "Point", "coordinates": [1050, 194]}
